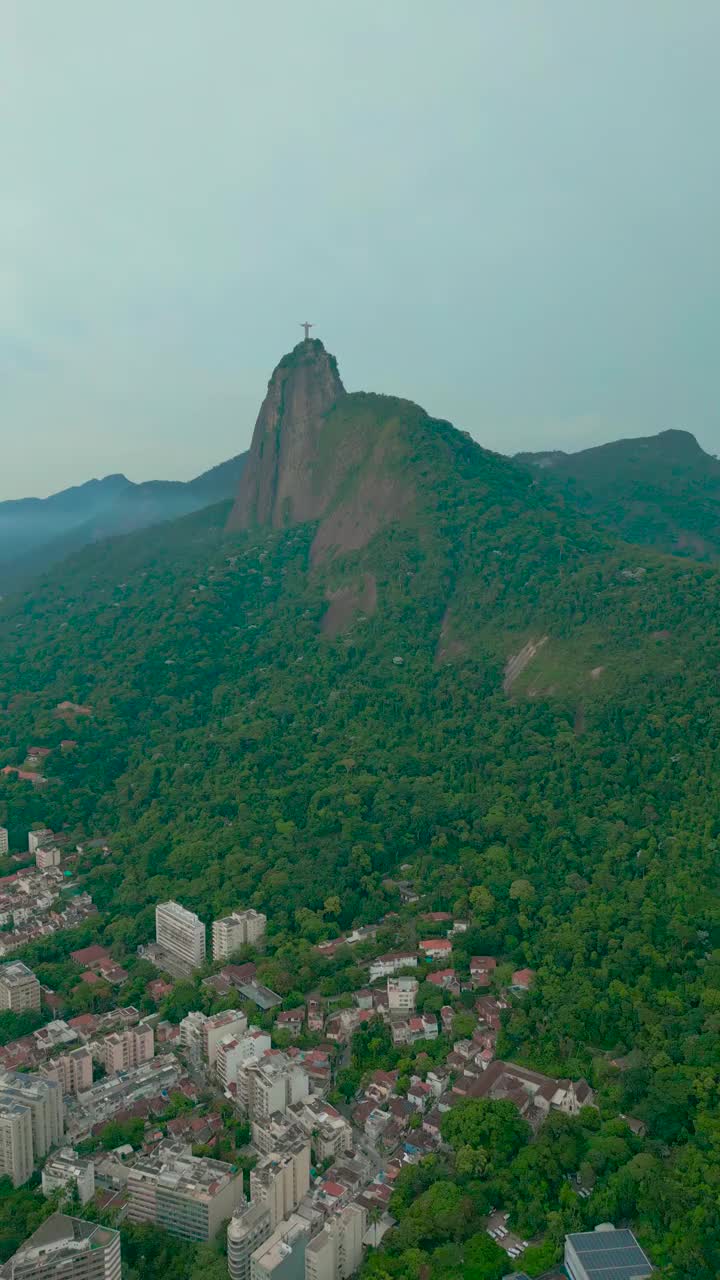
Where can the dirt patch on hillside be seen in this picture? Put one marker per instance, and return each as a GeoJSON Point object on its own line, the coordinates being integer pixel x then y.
{"type": "Point", "coordinates": [448, 645]}
{"type": "Point", "coordinates": [346, 603]}
{"type": "Point", "coordinates": [517, 662]}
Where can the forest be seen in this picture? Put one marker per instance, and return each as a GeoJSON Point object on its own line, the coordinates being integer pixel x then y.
{"type": "Point", "coordinates": [238, 752]}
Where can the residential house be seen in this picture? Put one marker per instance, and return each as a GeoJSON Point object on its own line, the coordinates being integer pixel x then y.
{"type": "Point", "coordinates": [435, 949]}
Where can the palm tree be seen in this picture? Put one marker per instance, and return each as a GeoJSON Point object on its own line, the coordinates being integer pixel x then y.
{"type": "Point", "coordinates": [374, 1217]}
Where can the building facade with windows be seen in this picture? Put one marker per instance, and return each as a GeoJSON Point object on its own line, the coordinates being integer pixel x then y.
{"type": "Point", "coordinates": [65, 1248]}
{"type": "Point", "coordinates": [181, 933]}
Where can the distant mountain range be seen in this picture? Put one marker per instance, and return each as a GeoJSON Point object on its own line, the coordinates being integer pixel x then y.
{"type": "Point", "coordinates": [662, 491]}
{"type": "Point", "coordinates": [37, 532]}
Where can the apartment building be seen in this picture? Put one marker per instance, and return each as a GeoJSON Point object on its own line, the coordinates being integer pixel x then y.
{"type": "Point", "coordinates": [47, 855]}
{"type": "Point", "coordinates": [235, 1053]}
{"type": "Point", "coordinates": [65, 1248]}
{"type": "Point", "coordinates": [281, 1179]}
{"type": "Point", "coordinates": [248, 1229]}
{"type": "Point", "coordinates": [186, 1195]}
{"type": "Point", "coordinates": [66, 1168]}
{"type": "Point", "coordinates": [4, 846]}
{"type": "Point", "coordinates": [181, 934]}
{"type": "Point", "coordinates": [272, 1084]}
{"type": "Point", "coordinates": [330, 1132]}
{"type": "Point", "coordinates": [282, 1256]}
{"type": "Point", "coordinates": [73, 1071]}
{"type": "Point", "coordinates": [130, 1048]}
{"type": "Point", "coordinates": [402, 994]}
{"type": "Point", "coordinates": [19, 988]}
{"type": "Point", "coordinates": [40, 836]}
{"type": "Point", "coordinates": [336, 1252]}
{"type": "Point", "coordinates": [242, 928]}
{"type": "Point", "coordinates": [31, 1122]}
{"type": "Point", "coordinates": [16, 1146]}
{"type": "Point", "coordinates": [231, 1022]}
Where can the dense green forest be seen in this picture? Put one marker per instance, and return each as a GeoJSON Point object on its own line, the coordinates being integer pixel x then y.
{"type": "Point", "coordinates": [240, 752]}
{"type": "Point", "coordinates": [662, 490]}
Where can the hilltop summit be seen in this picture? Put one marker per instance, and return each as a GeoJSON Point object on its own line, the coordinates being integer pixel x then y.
{"type": "Point", "coordinates": [275, 488]}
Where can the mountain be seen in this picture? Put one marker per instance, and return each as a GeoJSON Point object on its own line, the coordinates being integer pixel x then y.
{"type": "Point", "coordinates": [37, 532]}
{"type": "Point", "coordinates": [399, 655]}
{"type": "Point", "coordinates": [662, 490]}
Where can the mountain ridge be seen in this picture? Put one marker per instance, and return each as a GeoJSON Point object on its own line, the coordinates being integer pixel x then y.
{"type": "Point", "coordinates": [661, 490]}
{"type": "Point", "coordinates": [37, 532]}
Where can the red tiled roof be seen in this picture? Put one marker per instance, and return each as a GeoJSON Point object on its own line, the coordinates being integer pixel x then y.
{"type": "Point", "coordinates": [90, 955]}
{"type": "Point", "coordinates": [333, 1189]}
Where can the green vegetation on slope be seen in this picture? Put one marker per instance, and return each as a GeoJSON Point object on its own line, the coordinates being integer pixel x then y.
{"type": "Point", "coordinates": [662, 491]}
{"type": "Point", "coordinates": [238, 756]}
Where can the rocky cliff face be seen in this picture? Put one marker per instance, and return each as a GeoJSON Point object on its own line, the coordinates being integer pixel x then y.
{"type": "Point", "coordinates": [276, 487]}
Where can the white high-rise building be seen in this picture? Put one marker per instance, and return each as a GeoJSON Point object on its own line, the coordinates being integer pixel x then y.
{"type": "Point", "coordinates": [3, 840]}
{"type": "Point", "coordinates": [248, 1228]}
{"type": "Point", "coordinates": [242, 928]}
{"type": "Point", "coordinates": [65, 1248]}
{"type": "Point", "coordinates": [19, 988]}
{"type": "Point", "coordinates": [402, 994]}
{"type": "Point", "coordinates": [336, 1252]}
{"type": "Point", "coordinates": [38, 837]}
{"type": "Point", "coordinates": [32, 1120]}
{"type": "Point", "coordinates": [281, 1179]}
{"type": "Point", "coordinates": [282, 1256]}
{"type": "Point", "coordinates": [181, 933]}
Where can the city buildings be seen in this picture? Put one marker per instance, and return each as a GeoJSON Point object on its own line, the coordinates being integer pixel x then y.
{"type": "Point", "coordinates": [272, 1084]}
{"type": "Point", "coordinates": [19, 988]}
{"type": "Point", "coordinates": [38, 837]}
{"type": "Point", "coordinates": [99, 1104]}
{"type": "Point", "coordinates": [280, 1180]}
{"type": "Point", "coordinates": [242, 928]}
{"type": "Point", "coordinates": [65, 1248]}
{"type": "Point", "coordinates": [186, 1195]}
{"type": "Point", "coordinates": [181, 936]}
{"type": "Point", "coordinates": [47, 855]}
{"type": "Point", "coordinates": [392, 962]}
{"type": "Point", "coordinates": [402, 994]}
{"type": "Point", "coordinates": [4, 846]}
{"type": "Point", "coordinates": [282, 1256]}
{"type": "Point", "coordinates": [231, 1022]}
{"type": "Point", "coordinates": [73, 1070]}
{"type": "Point", "coordinates": [31, 1122]}
{"type": "Point", "coordinates": [130, 1048]}
{"type": "Point", "coordinates": [16, 1148]}
{"type": "Point", "coordinates": [233, 1053]}
{"type": "Point", "coordinates": [191, 1032]}
{"type": "Point", "coordinates": [330, 1132]}
{"type": "Point", "coordinates": [605, 1252]}
{"type": "Point", "coordinates": [65, 1168]}
{"type": "Point", "coordinates": [336, 1252]}
{"type": "Point", "coordinates": [248, 1228]}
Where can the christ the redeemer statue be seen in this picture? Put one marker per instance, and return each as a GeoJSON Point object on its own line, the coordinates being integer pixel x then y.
{"type": "Point", "coordinates": [307, 326]}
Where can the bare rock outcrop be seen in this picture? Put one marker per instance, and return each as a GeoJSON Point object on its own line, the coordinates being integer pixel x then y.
{"type": "Point", "coordinates": [276, 486]}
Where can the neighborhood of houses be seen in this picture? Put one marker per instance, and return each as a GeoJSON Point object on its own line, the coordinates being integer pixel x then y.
{"type": "Point", "coordinates": [315, 1188]}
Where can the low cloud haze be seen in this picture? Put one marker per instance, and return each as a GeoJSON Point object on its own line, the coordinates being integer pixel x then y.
{"type": "Point", "coordinates": [504, 210]}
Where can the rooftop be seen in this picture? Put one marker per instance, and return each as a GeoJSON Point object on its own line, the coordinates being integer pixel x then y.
{"type": "Point", "coordinates": [608, 1253]}
{"type": "Point", "coordinates": [62, 1236]}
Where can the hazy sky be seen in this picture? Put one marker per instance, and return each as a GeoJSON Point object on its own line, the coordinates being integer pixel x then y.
{"type": "Point", "coordinates": [506, 210]}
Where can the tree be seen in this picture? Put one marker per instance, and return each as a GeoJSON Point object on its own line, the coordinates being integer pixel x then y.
{"type": "Point", "coordinates": [495, 1126]}
{"type": "Point", "coordinates": [483, 1259]}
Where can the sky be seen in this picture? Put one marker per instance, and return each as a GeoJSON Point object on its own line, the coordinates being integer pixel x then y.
{"type": "Point", "coordinates": [506, 210]}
